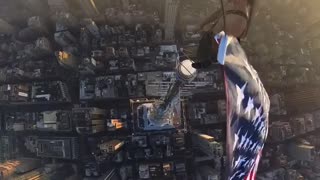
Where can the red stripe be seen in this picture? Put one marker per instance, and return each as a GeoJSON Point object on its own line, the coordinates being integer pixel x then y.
{"type": "Point", "coordinates": [228, 122]}
{"type": "Point", "coordinates": [253, 170]}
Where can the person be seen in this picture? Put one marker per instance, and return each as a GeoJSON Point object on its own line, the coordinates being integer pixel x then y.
{"type": "Point", "coordinates": [234, 19]}
{"type": "Point", "coordinates": [247, 101]}
{"type": "Point", "coordinates": [237, 18]}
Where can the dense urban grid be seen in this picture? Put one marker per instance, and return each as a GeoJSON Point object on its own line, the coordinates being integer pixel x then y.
{"type": "Point", "coordinates": [76, 77]}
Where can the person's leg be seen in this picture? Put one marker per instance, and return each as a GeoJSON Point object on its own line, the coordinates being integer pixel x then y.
{"type": "Point", "coordinates": [237, 17]}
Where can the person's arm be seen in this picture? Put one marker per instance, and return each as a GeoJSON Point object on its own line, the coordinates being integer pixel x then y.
{"type": "Point", "coordinates": [236, 25]}
{"type": "Point", "coordinates": [237, 13]}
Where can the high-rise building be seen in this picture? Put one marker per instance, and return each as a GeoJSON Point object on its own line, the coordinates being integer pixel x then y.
{"type": "Point", "coordinates": [208, 145]}
{"type": "Point", "coordinates": [59, 147]}
{"type": "Point", "coordinates": [303, 99]}
{"type": "Point", "coordinates": [206, 172]}
{"type": "Point", "coordinates": [7, 168]}
{"type": "Point", "coordinates": [56, 120]}
{"type": "Point", "coordinates": [302, 152]}
{"type": "Point", "coordinates": [171, 118]}
{"type": "Point", "coordinates": [89, 7]}
{"type": "Point", "coordinates": [89, 120]}
{"type": "Point", "coordinates": [92, 27]}
{"type": "Point", "coordinates": [7, 148]}
{"type": "Point", "coordinates": [58, 5]}
{"type": "Point", "coordinates": [67, 59]}
{"type": "Point", "coordinates": [27, 164]}
{"type": "Point", "coordinates": [170, 16]}
{"type": "Point", "coordinates": [111, 146]}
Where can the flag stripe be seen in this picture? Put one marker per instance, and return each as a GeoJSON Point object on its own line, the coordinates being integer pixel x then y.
{"type": "Point", "coordinates": [247, 113]}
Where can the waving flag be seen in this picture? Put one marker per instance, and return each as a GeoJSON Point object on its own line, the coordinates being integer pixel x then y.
{"type": "Point", "coordinates": [247, 110]}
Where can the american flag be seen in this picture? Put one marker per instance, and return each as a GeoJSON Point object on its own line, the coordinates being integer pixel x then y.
{"type": "Point", "coordinates": [247, 110]}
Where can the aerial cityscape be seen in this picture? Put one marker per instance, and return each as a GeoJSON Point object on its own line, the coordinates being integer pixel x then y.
{"type": "Point", "coordinates": [105, 89]}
